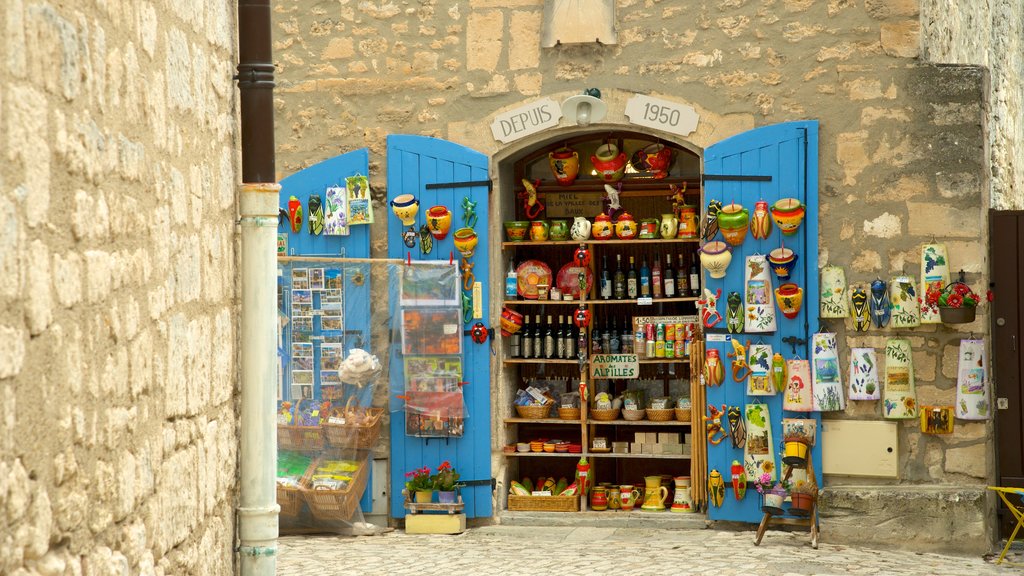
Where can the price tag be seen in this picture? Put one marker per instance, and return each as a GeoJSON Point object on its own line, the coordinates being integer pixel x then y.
{"type": "Point", "coordinates": [719, 337]}
{"type": "Point", "coordinates": [664, 115]}
{"type": "Point", "coordinates": [644, 301]}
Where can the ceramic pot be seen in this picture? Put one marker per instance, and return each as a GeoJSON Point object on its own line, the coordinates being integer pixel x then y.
{"type": "Point", "coordinates": [565, 165]}
{"type": "Point", "coordinates": [580, 230]}
{"type": "Point", "coordinates": [658, 158]}
{"type": "Point", "coordinates": [614, 498]}
{"type": "Point", "coordinates": [628, 496]}
{"type": "Point", "coordinates": [783, 260]}
{"type": "Point", "coordinates": [800, 430]}
{"type": "Point", "coordinates": [800, 504]}
{"type": "Point", "coordinates": [788, 213]}
{"type": "Point", "coordinates": [405, 206]}
{"type": "Point", "coordinates": [465, 241]}
{"type": "Point", "coordinates": [715, 258]}
{"type": "Point", "coordinates": [688, 222]}
{"type": "Point", "coordinates": [625, 227]}
{"type": "Point", "coordinates": [516, 230]}
{"type": "Point", "coordinates": [439, 221]}
{"type": "Point", "coordinates": [609, 162]}
{"type": "Point", "coordinates": [734, 221]}
{"type": "Point", "coordinates": [654, 494]}
{"type": "Point", "coordinates": [511, 322]}
{"type": "Point", "coordinates": [648, 229]}
{"type": "Point", "coordinates": [773, 502]}
{"type": "Point", "coordinates": [446, 496]}
{"type": "Point", "coordinates": [681, 501]}
{"type": "Point", "coordinates": [602, 228]}
{"type": "Point", "coordinates": [669, 226]}
{"type": "Point", "coordinates": [790, 297]}
{"type": "Point", "coordinates": [559, 230]}
{"type": "Point", "coordinates": [599, 498]}
{"type": "Point", "coordinates": [539, 231]}
{"type": "Point", "coordinates": [760, 221]}
{"type": "Point", "coordinates": [795, 453]}
{"type": "Point", "coordinates": [424, 496]}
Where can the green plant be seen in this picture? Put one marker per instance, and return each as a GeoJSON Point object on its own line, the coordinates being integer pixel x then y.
{"type": "Point", "coordinates": [420, 480]}
{"type": "Point", "coordinates": [447, 479]}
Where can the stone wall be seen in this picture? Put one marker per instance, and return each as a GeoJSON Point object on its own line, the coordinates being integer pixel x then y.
{"type": "Point", "coordinates": [117, 287]}
{"type": "Point", "coordinates": [902, 144]}
{"type": "Point", "coordinates": [987, 33]}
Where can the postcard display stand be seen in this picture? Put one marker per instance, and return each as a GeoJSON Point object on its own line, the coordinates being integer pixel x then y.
{"type": "Point", "coordinates": [739, 172]}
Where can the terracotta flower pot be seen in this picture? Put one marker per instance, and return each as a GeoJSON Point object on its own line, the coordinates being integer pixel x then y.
{"type": "Point", "coordinates": [734, 221]}
{"type": "Point", "coordinates": [801, 504]}
{"type": "Point", "coordinates": [790, 298]}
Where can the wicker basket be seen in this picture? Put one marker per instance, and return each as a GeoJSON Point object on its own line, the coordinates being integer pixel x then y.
{"type": "Point", "coordinates": [360, 430]}
{"type": "Point", "coordinates": [569, 413]}
{"type": "Point", "coordinates": [604, 415]}
{"type": "Point", "coordinates": [290, 498]}
{"type": "Point", "coordinates": [336, 504]}
{"type": "Point", "coordinates": [544, 503]}
{"type": "Point", "coordinates": [660, 414]}
{"type": "Point", "coordinates": [632, 415]}
{"type": "Point", "coordinates": [683, 414]}
{"type": "Point", "coordinates": [300, 438]}
{"type": "Point", "coordinates": [534, 412]}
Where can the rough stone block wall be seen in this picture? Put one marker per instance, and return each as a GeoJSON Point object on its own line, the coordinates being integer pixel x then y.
{"type": "Point", "coordinates": [902, 143]}
{"type": "Point", "coordinates": [118, 426]}
{"type": "Point", "coordinates": [987, 33]}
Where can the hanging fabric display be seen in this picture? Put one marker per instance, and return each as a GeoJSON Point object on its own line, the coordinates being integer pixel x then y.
{"type": "Point", "coordinates": [798, 389]}
{"type": "Point", "coordinates": [934, 277]}
{"type": "Point", "coordinates": [759, 304]}
{"type": "Point", "coordinates": [900, 396]}
{"type": "Point", "coordinates": [906, 308]}
{"type": "Point", "coordinates": [833, 293]}
{"type": "Point", "coordinates": [759, 452]}
{"type": "Point", "coordinates": [972, 384]}
{"type": "Point", "coordinates": [828, 384]}
{"type": "Point", "coordinates": [863, 374]}
{"type": "Point", "coordinates": [336, 212]}
{"type": "Point", "coordinates": [760, 361]}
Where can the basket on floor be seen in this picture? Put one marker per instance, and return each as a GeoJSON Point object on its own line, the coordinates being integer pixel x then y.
{"type": "Point", "coordinates": [603, 414]}
{"type": "Point", "coordinates": [544, 503]}
{"type": "Point", "coordinates": [683, 414]}
{"type": "Point", "coordinates": [335, 504]}
{"type": "Point", "coordinates": [360, 430]}
{"type": "Point", "coordinates": [290, 498]}
{"type": "Point", "coordinates": [660, 414]}
{"type": "Point", "coordinates": [632, 415]}
{"type": "Point", "coordinates": [534, 412]}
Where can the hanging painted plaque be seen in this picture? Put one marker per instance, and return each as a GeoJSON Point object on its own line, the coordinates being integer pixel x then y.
{"type": "Point", "coordinates": [863, 374]}
{"type": "Point", "coordinates": [360, 207]}
{"type": "Point", "coordinates": [834, 300]}
{"type": "Point", "coordinates": [828, 383]}
{"type": "Point", "coordinates": [760, 361]}
{"type": "Point", "coordinates": [759, 452]}
{"type": "Point", "coordinates": [973, 389]}
{"type": "Point", "coordinates": [900, 395]}
{"type": "Point", "coordinates": [336, 212]}
{"type": "Point", "coordinates": [934, 277]}
{"type": "Point", "coordinates": [798, 387]}
{"type": "Point", "coordinates": [759, 304]}
{"type": "Point", "coordinates": [906, 308]}
{"type": "Point", "coordinates": [937, 419]}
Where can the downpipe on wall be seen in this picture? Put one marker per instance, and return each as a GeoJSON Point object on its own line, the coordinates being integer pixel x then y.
{"type": "Point", "coordinates": [257, 510]}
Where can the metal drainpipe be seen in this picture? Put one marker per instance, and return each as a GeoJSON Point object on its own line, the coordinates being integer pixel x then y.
{"type": "Point", "coordinates": [257, 509]}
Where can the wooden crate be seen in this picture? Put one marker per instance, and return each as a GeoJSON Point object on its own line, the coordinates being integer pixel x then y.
{"type": "Point", "coordinates": [544, 503]}
{"type": "Point", "coordinates": [336, 504]}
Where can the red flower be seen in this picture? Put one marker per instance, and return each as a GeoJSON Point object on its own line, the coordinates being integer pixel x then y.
{"type": "Point", "coordinates": [954, 300]}
{"type": "Point", "coordinates": [962, 289]}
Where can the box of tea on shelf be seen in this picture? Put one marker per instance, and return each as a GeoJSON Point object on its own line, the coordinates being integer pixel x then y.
{"type": "Point", "coordinates": [636, 447]}
{"type": "Point", "coordinates": [620, 447]}
{"type": "Point", "coordinates": [668, 438]}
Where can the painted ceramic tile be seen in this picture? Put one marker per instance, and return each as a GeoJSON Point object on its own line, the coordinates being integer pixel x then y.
{"type": "Point", "coordinates": [336, 212]}
{"type": "Point", "coordinates": [973, 389]}
{"type": "Point", "coordinates": [828, 383]}
{"type": "Point", "coordinates": [798, 389]}
{"type": "Point", "coordinates": [934, 277]}
{"type": "Point", "coordinates": [906, 308]}
{"type": "Point", "coordinates": [834, 299]}
{"type": "Point", "coordinates": [900, 395]}
{"type": "Point", "coordinates": [760, 307]}
{"type": "Point", "coordinates": [759, 452]}
{"type": "Point", "coordinates": [759, 358]}
{"type": "Point", "coordinates": [360, 206]}
{"type": "Point", "coordinates": [864, 374]}
{"type": "Point", "coordinates": [937, 419]}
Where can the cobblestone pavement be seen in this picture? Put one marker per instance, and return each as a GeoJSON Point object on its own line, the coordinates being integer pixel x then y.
{"type": "Point", "coordinates": [532, 551]}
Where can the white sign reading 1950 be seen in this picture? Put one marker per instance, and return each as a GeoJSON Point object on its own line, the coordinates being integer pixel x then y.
{"type": "Point", "coordinates": [661, 114]}
{"type": "Point", "coordinates": [526, 120]}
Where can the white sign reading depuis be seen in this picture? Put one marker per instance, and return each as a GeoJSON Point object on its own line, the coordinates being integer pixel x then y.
{"type": "Point", "coordinates": [526, 120]}
{"type": "Point", "coordinates": [664, 115]}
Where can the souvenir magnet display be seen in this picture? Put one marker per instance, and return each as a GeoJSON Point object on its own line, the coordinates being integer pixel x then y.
{"type": "Point", "coordinates": [879, 303]}
{"type": "Point", "coordinates": [760, 221]}
{"type": "Point", "coordinates": [739, 479]}
{"type": "Point", "coordinates": [861, 314]}
{"type": "Point", "coordinates": [973, 389]}
{"type": "Point", "coordinates": [734, 312]}
{"type": "Point", "coordinates": [906, 308]}
{"type": "Point", "coordinates": [316, 215]}
{"type": "Point", "coordinates": [737, 430]}
{"type": "Point", "coordinates": [713, 424]}
{"type": "Point", "coordinates": [709, 314]}
{"type": "Point", "coordinates": [295, 213]}
{"type": "Point", "coordinates": [532, 205]}
{"type": "Point", "coordinates": [740, 369]}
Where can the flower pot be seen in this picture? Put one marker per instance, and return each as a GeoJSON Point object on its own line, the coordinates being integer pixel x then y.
{"type": "Point", "coordinates": [788, 213]}
{"type": "Point", "coordinates": [609, 162]}
{"type": "Point", "coordinates": [960, 315]}
{"type": "Point", "coordinates": [424, 496]}
{"type": "Point", "coordinates": [465, 241]}
{"type": "Point", "coordinates": [446, 496]}
{"type": "Point", "coordinates": [439, 221]}
{"type": "Point", "coordinates": [773, 503]}
{"type": "Point", "coordinates": [801, 504]}
{"type": "Point", "coordinates": [790, 298]}
{"type": "Point", "coordinates": [565, 165]}
{"type": "Point", "coordinates": [795, 453]}
{"type": "Point", "coordinates": [783, 260]}
{"type": "Point", "coordinates": [405, 206]}
{"type": "Point", "coordinates": [715, 257]}
{"type": "Point", "coordinates": [734, 221]}
{"type": "Point", "coordinates": [516, 230]}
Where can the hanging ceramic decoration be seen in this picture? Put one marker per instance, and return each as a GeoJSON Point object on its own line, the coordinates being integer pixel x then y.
{"type": "Point", "coordinates": [759, 303]}
{"type": "Point", "coordinates": [778, 372]}
{"type": "Point", "coordinates": [316, 214]}
{"type": "Point", "coordinates": [833, 293]}
{"type": "Point", "coordinates": [783, 260]}
{"type": "Point", "coordinates": [708, 305]}
{"type": "Point", "coordinates": [711, 220]}
{"type": "Point", "coordinates": [740, 369]}
{"type": "Point", "coordinates": [439, 221]}
{"type": "Point", "coordinates": [759, 452]}
{"type": "Point", "coordinates": [426, 240]}
{"type": "Point", "coordinates": [863, 374]}
{"type": "Point", "coordinates": [972, 384]}
{"type": "Point", "coordinates": [295, 213]}
{"type": "Point", "coordinates": [360, 206]}
{"type": "Point", "coordinates": [788, 213]}
{"type": "Point", "coordinates": [532, 206]}
{"type": "Point", "coordinates": [936, 419]}
{"type": "Point", "coordinates": [760, 360]}
{"type": "Point", "coordinates": [734, 312]}
{"type": "Point", "coordinates": [565, 165]}
{"type": "Point", "coordinates": [609, 163]}
{"type": "Point", "coordinates": [760, 221]}
{"type": "Point", "coordinates": [934, 276]}
{"type": "Point", "coordinates": [733, 222]}
{"type": "Point", "coordinates": [714, 372]}
{"type": "Point", "coordinates": [828, 383]}
{"type": "Point", "coordinates": [739, 480]}
{"type": "Point", "coordinates": [737, 431]}
{"type": "Point", "coordinates": [791, 297]}
{"type": "Point", "coordinates": [900, 394]}
{"type": "Point", "coordinates": [906, 308]}
{"type": "Point", "coordinates": [715, 258]}
{"type": "Point", "coordinates": [468, 212]}
{"type": "Point", "coordinates": [798, 389]}
{"type": "Point", "coordinates": [716, 488]}
{"type": "Point", "coordinates": [336, 214]}
{"type": "Point", "coordinates": [713, 424]}
{"type": "Point", "coordinates": [879, 303]}
{"type": "Point", "coordinates": [859, 300]}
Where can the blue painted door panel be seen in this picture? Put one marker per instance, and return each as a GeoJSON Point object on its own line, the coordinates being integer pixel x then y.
{"type": "Point", "coordinates": [788, 153]}
{"type": "Point", "coordinates": [414, 162]}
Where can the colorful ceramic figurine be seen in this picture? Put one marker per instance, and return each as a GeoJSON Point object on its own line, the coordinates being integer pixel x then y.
{"type": "Point", "coordinates": [740, 368]}
{"type": "Point", "coordinates": [716, 489]}
{"type": "Point", "coordinates": [565, 165]}
{"type": "Point", "coordinates": [295, 213]}
{"type": "Point", "coordinates": [714, 373]}
{"type": "Point", "coordinates": [734, 312]}
{"type": "Point", "coordinates": [737, 429]}
{"type": "Point", "coordinates": [879, 303]}
{"type": "Point", "coordinates": [468, 212]}
{"type": "Point", "coordinates": [611, 200]}
{"type": "Point", "coordinates": [316, 215]}
{"type": "Point", "coordinates": [532, 205]}
{"type": "Point", "coordinates": [778, 372]}
{"type": "Point", "coordinates": [713, 424]}
{"type": "Point", "coordinates": [861, 315]}
{"type": "Point", "coordinates": [739, 480]}
{"type": "Point", "coordinates": [760, 221]}
{"type": "Point", "coordinates": [709, 313]}
{"type": "Point", "coordinates": [711, 220]}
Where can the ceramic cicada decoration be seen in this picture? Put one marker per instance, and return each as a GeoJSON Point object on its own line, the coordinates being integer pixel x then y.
{"type": "Point", "coordinates": [737, 429]}
{"type": "Point", "coordinates": [760, 221]}
{"type": "Point", "coordinates": [879, 303]}
{"type": "Point", "coordinates": [714, 372]}
{"type": "Point", "coordinates": [778, 372]}
{"type": "Point", "coordinates": [861, 314]}
{"type": "Point", "coordinates": [711, 220]}
{"type": "Point", "coordinates": [739, 479]}
{"type": "Point", "coordinates": [734, 312]}
{"type": "Point", "coordinates": [716, 488]}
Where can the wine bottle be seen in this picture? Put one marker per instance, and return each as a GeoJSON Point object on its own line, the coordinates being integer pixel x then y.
{"type": "Point", "coordinates": [682, 278]}
{"type": "Point", "coordinates": [606, 282]}
{"type": "Point", "coordinates": [527, 339]}
{"type": "Point", "coordinates": [645, 278]}
{"type": "Point", "coordinates": [669, 277]}
{"type": "Point", "coordinates": [626, 337]}
{"type": "Point", "coordinates": [614, 342]}
{"type": "Point", "coordinates": [549, 340]}
{"type": "Point", "coordinates": [619, 285]}
{"type": "Point", "coordinates": [515, 345]}
{"type": "Point", "coordinates": [656, 277]}
{"type": "Point", "coordinates": [631, 280]}
{"type": "Point", "coordinates": [560, 338]}
{"type": "Point", "coordinates": [694, 278]}
{"type": "Point", "coordinates": [569, 339]}
{"type": "Point", "coordinates": [538, 338]}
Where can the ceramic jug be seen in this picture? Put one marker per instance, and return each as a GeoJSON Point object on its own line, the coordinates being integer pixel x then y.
{"type": "Point", "coordinates": [565, 165]}
{"type": "Point", "coordinates": [599, 498]}
{"type": "Point", "coordinates": [628, 496]}
{"type": "Point", "coordinates": [654, 494]}
{"type": "Point", "coordinates": [669, 226]}
{"type": "Point", "coordinates": [580, 229]}
{"type": "Point", "coordinates": [559, 230]}
{"type": "Point", "coordinates": [538, 230]}
{"type": "Point", "coordinates": [688, 222]}
{"type": "Point", "coordinates": [682, 501]}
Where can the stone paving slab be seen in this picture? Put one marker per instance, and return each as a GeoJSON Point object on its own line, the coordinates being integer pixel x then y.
{"type": "Point", "coordinates": [539, 551]}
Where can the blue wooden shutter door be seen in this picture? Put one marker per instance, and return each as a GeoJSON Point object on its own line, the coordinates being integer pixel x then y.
{"type": "Point", "coordinates": [788, 153]}
{"type": "Point", "coordinates": [315, 180]}
{"type": "Point", "coordinates": [413, 162]}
